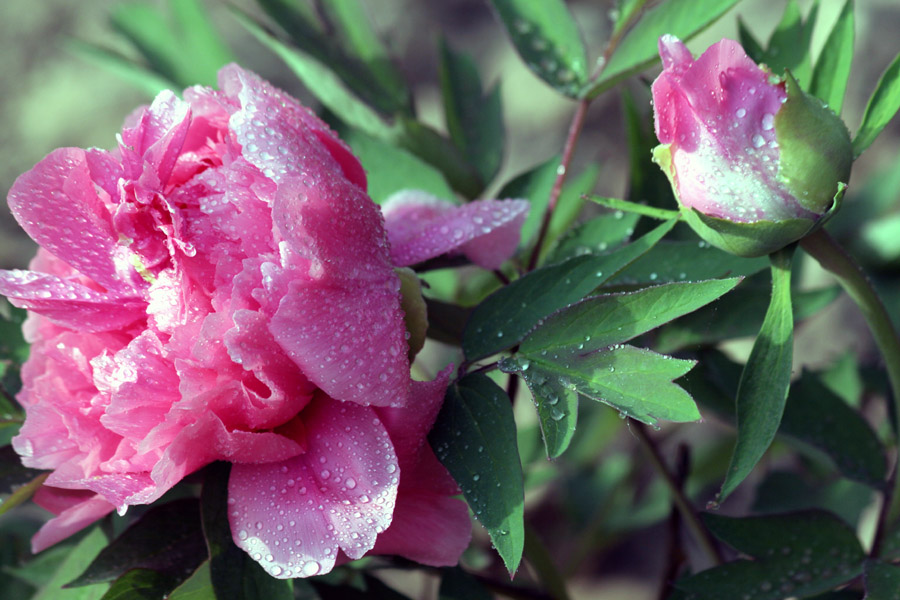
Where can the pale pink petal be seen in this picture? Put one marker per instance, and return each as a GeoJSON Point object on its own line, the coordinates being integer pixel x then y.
{"type": "Point", "coordinates": [72, 519]}
{"type": "Point", "coordinates": [57, 205]}
{"type": "Point", "coordinates": [293, 517]}
{"type": "Point", "coordinates": [349, 342]}
{"type": "Point", "coordinates": [421, 226]}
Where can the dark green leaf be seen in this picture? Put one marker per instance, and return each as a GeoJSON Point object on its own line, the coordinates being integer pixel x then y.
{"type": "Point", "coordinates": [788, 47]}
{"type": "Point", "coordinates": [12, 471]}
{"type": "Point", "coordinates": [765, 380]}
{"type": "Point", "coordinates": [12, 343]}
{"type": "Point", "coordinates": [78, 559]}
{"type": "Point", "coordinates": [232, 573]}
{"type": "Point", "coordinates": [636, 382]}
{"type": "Point", "coordinates": [750, 44]}
{"type": "Point", "coordinates": [557, 404]}
{"type": "Point", "coordinates": [681, 18]}
{"type": "Point", "coordinates": [797, 555]}
{"type": "Point", "coordinates": [569, 205]}
{"type": "Point", "coordinates": [475, 438]}
{"type": "Point", "coordinates": [534, 185]}
{"type": "Point", "coordinates": [790, 491]}
{"type": "Point", "coordinates": [547, 39]}
{"type": "Point", "coordinates": [597, 236]}
{"type": "Point", "coordinates": [456, 584]}
{"type": "Point", "coordinates": [815, 415]}
{"type": "Point", "coordinates": [474, 120]}
{"type": "Point", "coordinates": [390, 169]}
{"type": "Point", "coordinates": [602, 321]}
{"type": "Point", "coordinates": [140, 584]}
{"type": "Point", "coordinates": [438, 151]}
{"type": "Point", "coordinates": [23, 493]}
{"type": "Point", "coordinates": [832, 70]}
{"type": "Point", "coordinates": [166, 538]}
{"type": "Point", "coordinates": [881, 108]}
{"type": "Point", "coordinates": [686, 261]}
{"type": "Point", "coordinates": [323, 83]}
{"type": "Point", "coordinates": [197, 587]}
{"type": "Point", "coordinates": [882, 581]}
{"type": "Point", "coordinates": [646, 181]}
{"type": "Point", "coordinates": [843, 378]}
{"type": "Point", "coordinates": [505, 316]}
{"type": "Point", "coordinates": [740, 314]}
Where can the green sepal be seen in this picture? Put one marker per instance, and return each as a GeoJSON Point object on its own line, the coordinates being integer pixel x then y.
{"type": "Point", "coordinates": [747, 239]}
{"type": "Point", "coordinates": [815, 154]}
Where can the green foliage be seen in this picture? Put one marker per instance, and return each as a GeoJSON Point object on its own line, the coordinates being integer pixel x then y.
{"type": "Point", "coordinates": [832, 70]}
{"type": "Point", "coordinates": [79, 557]}
{"type": "Point", "coordinates": [881, 108]}
{"type": "Point", "coordinates": [788, 48]}
{"type": "Point", "coordinates": [475, 438]}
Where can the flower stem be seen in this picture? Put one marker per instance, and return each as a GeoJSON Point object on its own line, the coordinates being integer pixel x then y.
{"type": "Point", "coordinates": [821, 246]}
{"type": "Point", "coordinates": [561, 172]}
{"type": "Point", "coordinates": [691, 520]}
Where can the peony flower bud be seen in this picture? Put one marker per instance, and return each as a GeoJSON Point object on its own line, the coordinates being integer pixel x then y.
{"type": "Point", "coordinates": [755, 162]}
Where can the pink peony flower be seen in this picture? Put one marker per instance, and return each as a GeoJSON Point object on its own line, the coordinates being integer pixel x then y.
{"type": "Point", "coordinates": [220, 287]}
{"type": "Point", "coordinates": [741, 146]}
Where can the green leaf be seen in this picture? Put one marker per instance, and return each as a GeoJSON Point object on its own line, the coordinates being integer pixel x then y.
{"type": "Point", "coordinates": [797, 555]}
{"type": "Point", "coordinates": [140, 584]}
{"type": "Point", "coordinates": [788, 47]}
{"type": "Point", "coordinates": [196, 587]}
{"type": "Point", "coordinates": [145, 26]}
{"type": "Point", "coordinates": [765, 380]}
{"type": "Point", "coordinates": [815, 415]}
{"type": "Point", "coordinates": [882, 581]}
{"type": "Point", "coordinates": [505, 316]}
{"type": "Point", "coordinates": [353, 28]}
{"type": "Point", "coordinates": [390, 169]}
{"type": "Point", "coordinates": [597, 236]}
{"type": "Point", "coordinates": [740, 314]}
{"type": "Point", "coordinates": [686, 261]}
{"type": "Point", "coordinates": [636, 382]}
{"type": "Point", "coordinates": [556, 403]}
{"type": "Point", "coordinates": [456, 584]}
{"type": "Point", "coordinates": [202, 51]}
{"type": "Point", "coordinates": [438, 151]}
{"type": "Point", "coordinates": [474, 120]}
{"type": "Point", "coordinates": [832, 70]}
{"type": "Point", "coordinates": [881, 108]}
{"type": "Point", "coordinates": [166, 538]}
{"type": "Point", "coordinates": [12, 471]}
{"type": "Point", "coordinates": [534, 185]}
{"type": "Point", "coordinates": [322, 82]}
{"type": "Point", "coordinates": [23, 493]}
{"type": "Point", "coordinates": [569, 205]}
{"type": "Point", "coordinates": [547, 39]}
{"type": "Point", "coordinates": [750, 44]}
{"type": "Point", "coordinates": [626, 13]}
{"type": "Point", "coordinates": [646, 182]}
{"type": "Point", "coordinates": [13, 346]}
{"type": "Point", "coordinates": [638, 50]}
{"type": "Point", "coordinates": [78, 559]}
{"type": "Point", "coordinates": [475, 438]}
{"type": "Point", "coordinates": [232, 573]}
{"type": "Point", "coordinates": [141, 77]}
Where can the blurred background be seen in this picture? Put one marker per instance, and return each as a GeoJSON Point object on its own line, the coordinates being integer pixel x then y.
{"type": "Point", "coordinates": [50, 97]}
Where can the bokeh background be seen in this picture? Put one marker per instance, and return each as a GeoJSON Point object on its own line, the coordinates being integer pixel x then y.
{"type": "Point", "coordinates": [49, 97]}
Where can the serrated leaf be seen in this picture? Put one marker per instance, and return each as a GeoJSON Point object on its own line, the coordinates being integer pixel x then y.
{"type": "Point", "coordinates": [740, 314]}
{"type": "Point", "coordinates": [390, 169]}
{"type": "Point", "coordinates": [78, 559]}
{"type": "Point", "coordinates": [167, 538]}
{"type": "Point", "coordinates": [797, 555]}
{"type": "Point", "coordinates": [881, 108]}
{"type": "Point", "coordinates": [765, 380]}
{"type": "Point", "coordinates": [474, 437]}
{"type": "Point", "coordinates": [636, 382]}
{"type": "Point", "coordinates": [815, 415]}
{"type": "Point", "coordinates": [638, 50]}
{"type": "Point", "coordinates": [601, 321]}
{"type": "Point", "coordinates": [140, 584]}
{"type": "Point", "coordinates": [547, 39]}
{"type": "Point", "coordinates": [882, 581]}
{"type": "Point", "coordinates": [832, 70]}
{"type": "Point", "coordinates": [686, 261]}
{"type": "Point", "coordinates": [788, 48]}
{"type": "Point", "coordinates": [474, 120]}
{"type": "Point", "coordinates": [196, 587]}
{"type": "Point", "coordinates": [232, 573]}
{"type": "Point", "coordinates": [505, 316]}
{"type": "Point", "coordinates": [600, 234]}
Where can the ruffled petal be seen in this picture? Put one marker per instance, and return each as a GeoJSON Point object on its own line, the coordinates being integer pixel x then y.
{"type": "Point", "coordinates": [421, 226]}
{"type": "Point", "coordinates": [293, 517]}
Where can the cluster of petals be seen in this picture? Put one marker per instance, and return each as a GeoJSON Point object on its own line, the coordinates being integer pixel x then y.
{"type": "Point", "coordinates": [221, 287]}
{"type": "Point", "coordinates": [716, 115]}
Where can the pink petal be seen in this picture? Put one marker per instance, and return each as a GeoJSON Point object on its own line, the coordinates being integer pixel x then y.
{"type": "Point", "coordinates": [293, 517]}
{"type": "Point", "coordinates": [57, 205]}
{"type": "Point", "coordinates": [421, 226]}
{"type": "Point", "coordinates": [86, 509]}
{"type": "Point", "coordinates": [151, 148]}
